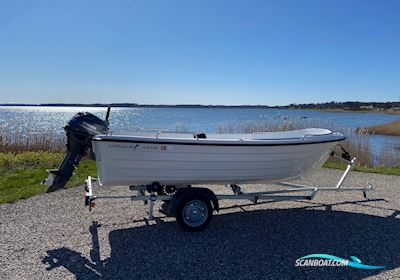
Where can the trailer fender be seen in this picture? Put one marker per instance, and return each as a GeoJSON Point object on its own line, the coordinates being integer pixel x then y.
{"type": "Point", "coordinates": [189, 191]}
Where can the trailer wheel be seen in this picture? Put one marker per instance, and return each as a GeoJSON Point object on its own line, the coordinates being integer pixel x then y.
{"type": "Point", "coordinates": [194, 213]}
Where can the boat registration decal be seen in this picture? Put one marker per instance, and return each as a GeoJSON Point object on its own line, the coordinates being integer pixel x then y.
{"type": "Point", "coordinates": [155, 147]}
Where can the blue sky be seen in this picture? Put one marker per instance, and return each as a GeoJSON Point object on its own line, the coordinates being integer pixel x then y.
{"type": "Point", "coordinates": [203, 52]}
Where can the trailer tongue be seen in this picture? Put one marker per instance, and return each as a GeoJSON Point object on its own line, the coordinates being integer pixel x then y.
{"type": "Point", "coordinates": [80, 130]}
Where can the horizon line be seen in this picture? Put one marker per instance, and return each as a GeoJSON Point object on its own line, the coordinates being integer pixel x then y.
{"type": "Point", "coordinates": [131, 104]}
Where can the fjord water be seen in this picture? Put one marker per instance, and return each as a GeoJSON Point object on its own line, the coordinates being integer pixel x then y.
{"type": "Point", "coordinates": [50, 120]}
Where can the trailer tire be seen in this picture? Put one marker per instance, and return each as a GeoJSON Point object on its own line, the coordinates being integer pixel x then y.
{"type": "Point", "coordinates": [194, 212]}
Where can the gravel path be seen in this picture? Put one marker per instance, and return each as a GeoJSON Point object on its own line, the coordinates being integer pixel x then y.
{"type": "Point", "coordinates": [53, 236]}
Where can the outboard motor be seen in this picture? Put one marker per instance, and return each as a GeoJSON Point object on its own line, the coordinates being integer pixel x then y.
{"type": "Point", "coordinates": [80, 130]}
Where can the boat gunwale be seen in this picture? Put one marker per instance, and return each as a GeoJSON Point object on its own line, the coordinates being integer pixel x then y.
{"type": "Point", "coordinates": [200, 142]}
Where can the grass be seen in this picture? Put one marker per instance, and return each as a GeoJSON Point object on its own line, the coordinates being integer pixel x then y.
{"type": "Point", "coordinates": [28, 160]}
{"type": "Point", "coordinates": [360, 168]}
{"type": "Point", "coordinates": [21, 175]}
{"type": "Point", "coordinates": [392, 128]}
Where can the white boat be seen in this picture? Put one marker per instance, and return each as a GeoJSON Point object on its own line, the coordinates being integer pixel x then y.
{"type": "Point", "coordinates": [186, 159]}
{"type": "Point", "coordinates": [166, 165]}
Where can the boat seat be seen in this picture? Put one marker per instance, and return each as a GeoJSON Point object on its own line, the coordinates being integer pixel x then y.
{"type": "Point", "coordinates": [200, 136]}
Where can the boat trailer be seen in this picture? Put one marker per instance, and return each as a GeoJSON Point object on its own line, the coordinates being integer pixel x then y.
{"type": "Point", "coordinates": [193, 206]}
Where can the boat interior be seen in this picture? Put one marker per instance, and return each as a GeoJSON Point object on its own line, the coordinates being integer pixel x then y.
{"type": "Point", "coordinates": [302, 134]}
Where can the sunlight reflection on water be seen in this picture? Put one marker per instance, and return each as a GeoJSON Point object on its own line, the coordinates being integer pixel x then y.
{"type": "Point", "coordinates": [51, 120]}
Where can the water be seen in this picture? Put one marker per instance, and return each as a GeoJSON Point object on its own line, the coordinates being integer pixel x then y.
{"type": "Point", "coordinates": [50, 120]}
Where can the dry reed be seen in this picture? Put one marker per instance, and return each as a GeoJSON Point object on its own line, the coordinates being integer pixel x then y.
{"type": "Point", "coordinates": [356, 143]}
{"type": "Point", "coordinates": [392, 128]}
{"type": "Point", "coordinates": [17, 142]}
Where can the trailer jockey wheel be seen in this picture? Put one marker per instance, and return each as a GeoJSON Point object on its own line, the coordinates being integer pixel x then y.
{"type": "Point", "coordinates": [194, 213]}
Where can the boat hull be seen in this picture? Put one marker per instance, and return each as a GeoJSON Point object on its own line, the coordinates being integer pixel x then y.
{"type": "Point", "coordinates": [138, 163]}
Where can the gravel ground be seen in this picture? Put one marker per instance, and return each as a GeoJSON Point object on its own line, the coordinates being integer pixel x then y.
{"type": "Point", "coordinates": [53, 236]}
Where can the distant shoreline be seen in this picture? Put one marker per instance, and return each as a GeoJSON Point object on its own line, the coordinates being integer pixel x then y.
{"type": "Point", "coordinates": [358, 111]}
{"type": "Point", "coordinates": [134, 105]}
{"type": "Point", "coordinates": [355, 107]}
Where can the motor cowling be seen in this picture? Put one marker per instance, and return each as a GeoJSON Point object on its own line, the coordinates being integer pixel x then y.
{"type": "Point", "coordinates": [80, 130]}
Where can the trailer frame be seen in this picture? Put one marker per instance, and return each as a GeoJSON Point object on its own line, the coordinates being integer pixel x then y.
{"type": "Point", "coordinates": [148, 194]}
